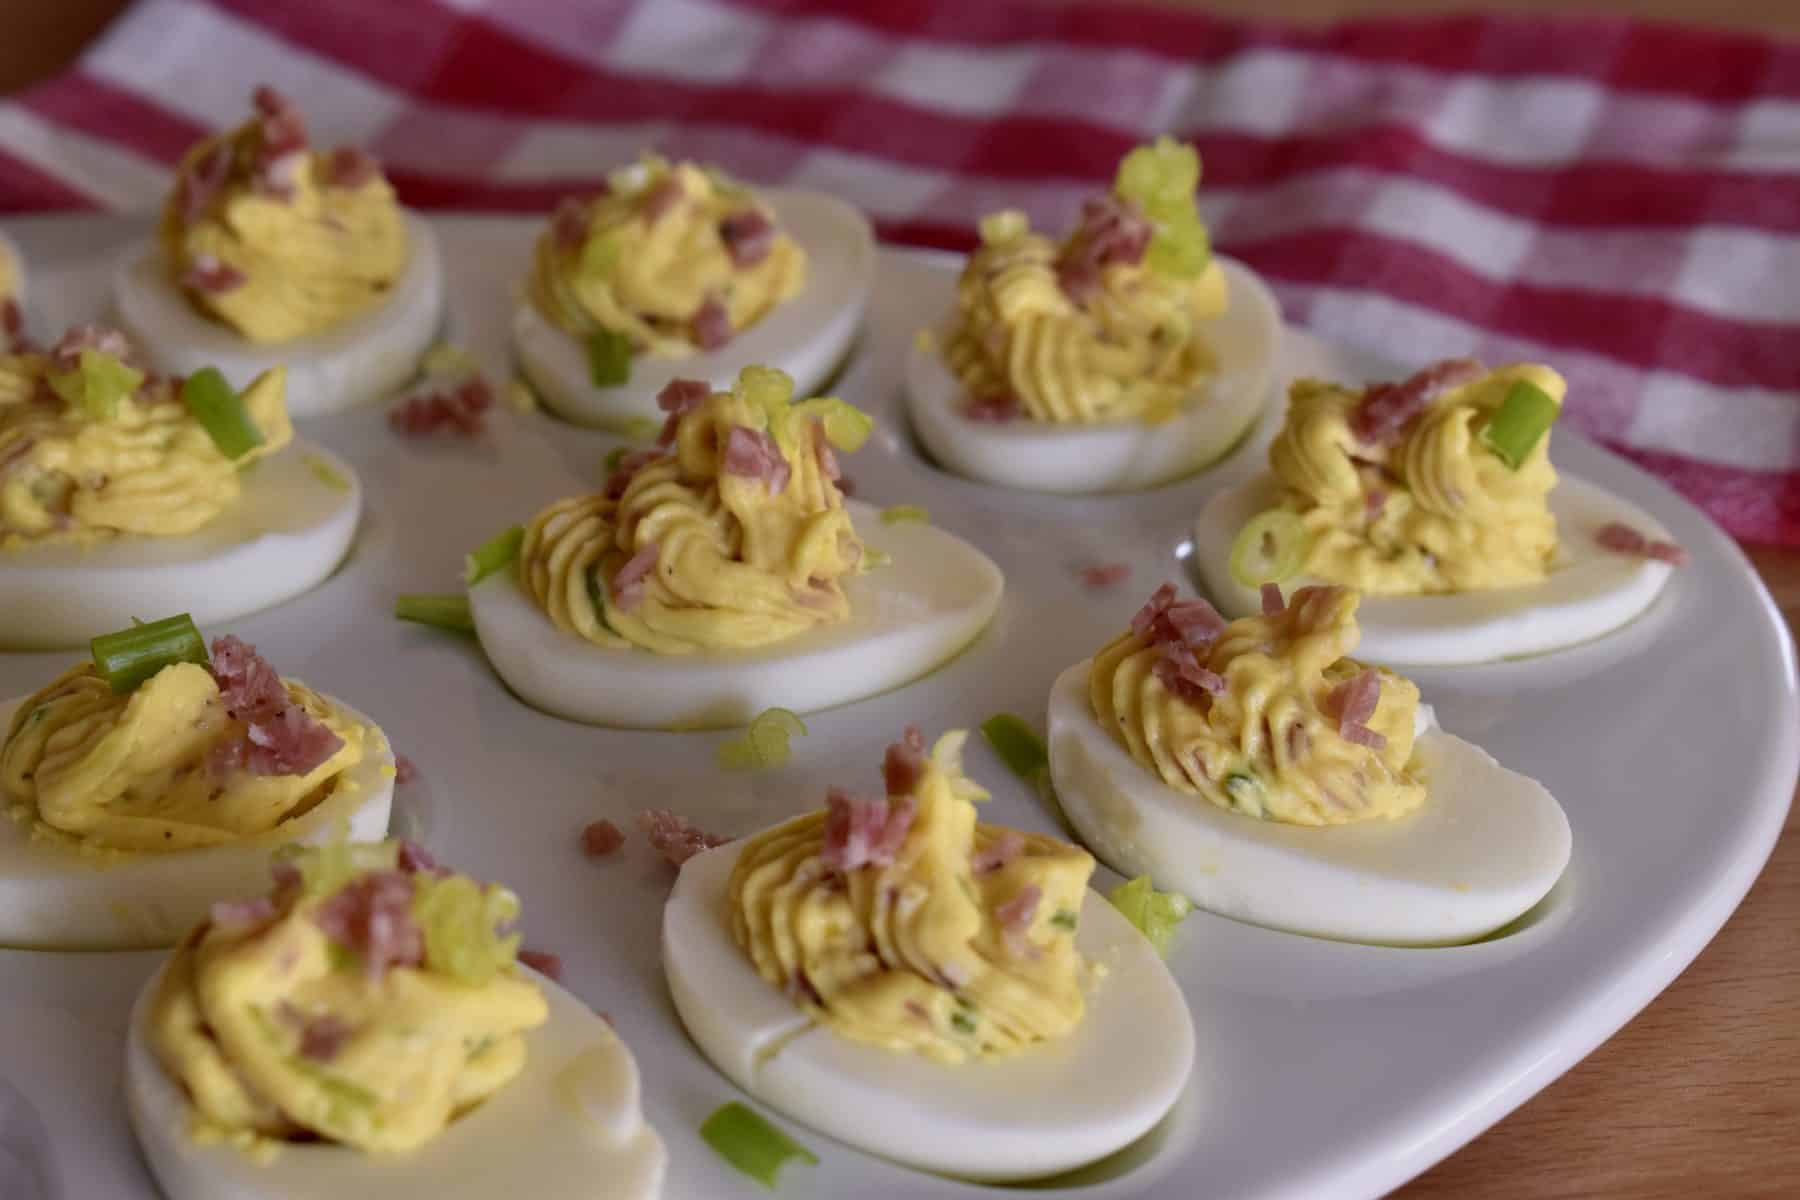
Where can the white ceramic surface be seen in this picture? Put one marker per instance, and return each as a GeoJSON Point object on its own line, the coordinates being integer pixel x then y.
{"type": "Point", "coordinates": [288, 530]}
{"type": "Point", "coordinates": [806, 337]}
{"type": "Point", "coordinates": [328, 372]}
{"type": "Point", "coordinates": [1117, 456]}
{"type": "Point", "coordinates": [1326, 1069]}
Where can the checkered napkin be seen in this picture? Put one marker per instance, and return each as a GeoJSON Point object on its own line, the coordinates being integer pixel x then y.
{"type": "Point", "coordinates": [1620, 200]}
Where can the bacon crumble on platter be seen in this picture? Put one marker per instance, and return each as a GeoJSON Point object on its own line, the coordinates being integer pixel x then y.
{"type": "Point", "coordinates": [405, 770]}
{"type": "Point", "coordinates": [673, 837]}
{"type": "Point", "coordinates": [1015, 916]}
{"type": "Point", "coordinates": [1622, 538]}
{"type": "Point", "coordinates": [1386, 408]}
{"type": "Point", "coordinates": [280, 737]}
{"type": "Point", "coordinates": [601, 839]}
{"type": "Point", "coordinates": [1104, 575]}
{"type": "Point", "coordinates": [459, 406]}
{"type": "Point", "coordinates": [995, 408]}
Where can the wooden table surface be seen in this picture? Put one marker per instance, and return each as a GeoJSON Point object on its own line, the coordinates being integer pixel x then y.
{"type": "Point", "coordinates": [1696, 1099]}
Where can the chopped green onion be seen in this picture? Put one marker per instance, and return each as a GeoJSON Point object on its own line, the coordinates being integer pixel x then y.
{"type": "Point", "coordinates": [1065, 918]}
{"type": "Point", "coordinates": [129, 657]}
{"type": "Point", "coordinates": [462, 922]}
{"type": "Point", "coordinates": [440, 612]}
{"type": "Point", "coordinates": [327, 474]}
{"type": "Point", "coordinates": [1161, 179]}
{"type": "Point", "coordinates": [1154, 913]}
{"type": "Point", "coordinates": [447, 358]}
{"type": "Point", "coordinates": [846, 426]}
{"type": "Point", "coordinates": [751, 1144]}
{"type": "Point", "coordinates": [97, 384]}
{"type": "Point", "coordinates": [221, 412]}
{"type": "Point", "coordinates": [493, 554]}
{"type": "Point", "coordinates": [874, 560]}
{"type": "Point", "coordinates": [640, 429]}
{"type": "Point", "coordinates": [898, 513]}
{"type": "Point", "coordinates": [614, 457]}
{"type": "Point", "coordinates": [1520, 423]}
{"type": "Point", "coordinates": [609, 358]}
{"type": "Point", "coordinates": [1017, 744]}
{"type": "Point", "coordinates": [1270, 548]}
{"type": "Point", "coordinates": [963, 1022]}
{"type": "Point", "coordinates": [765, 742]}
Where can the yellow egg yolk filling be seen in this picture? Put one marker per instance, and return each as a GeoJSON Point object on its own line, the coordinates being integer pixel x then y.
{"type": "Point", "coordinates": [913, 956]}
{"type": "Point", "coordinates": [736, 564]}
{"type": "Point", "coordinates": [1432, 510]}
{"type": "Point", "coordinates": [1267, 744]}
{"type": "Point", "coordinates": [148, 467]}
{"type": "Point", "coordinates": [275, 1031]}
{"type": "Point", "coordinates": [133, 771]}
{"type": "Point", "coordinates": [11, 280]}
{"type": "Point", "coordinates": [281, 241]}
{"type": "Point", "coordinates": [643, 259]}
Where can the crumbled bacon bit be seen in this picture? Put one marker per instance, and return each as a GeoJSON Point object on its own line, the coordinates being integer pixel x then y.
{"type": "Point", "coordinates": [372, 916]}
{"type": "Point", "coordinates": [414, 859]}
{"type": "Point", "coordinates": [997, 853]}
{"type": "Point", "coordinates": [1362, 735]}
{"type": "Point", "coordinates": [405, 770]}
{"type": "Point", "coordinates": [66, 354]}
{"type": "Point", "coordinates": [208, 274]}
{"type": "Point", "coordinates": [1016, 914]}
{"type": "Point", "coordinates": [904, 762]}
{"type": "Point", "coordinates": [1386, 408]}
{"type": "Point", "coordinates": [711, 324]}
{"type": "Point", "coordinates": [1177, 668]}
{"type": "Point", "coordinates": [601, 839]}
{"type": "Point", "coordinates": [232, 916]}
{"type": "Point", "coordinates": [861, 831]}
{"type": "Point", "coordinates": [748, 237]}
{"type": "Point", "coordinates": [754, 455]}
{"type": "Point", "coordinates": [280, 737]}
{"type": "Point", "coordinates": [828, 463]}
{"type": "Point", "coordinates": [350, 167]}
{"type": "Point", "coordinates": [12, 318]}
{"type": "Point", "coordinates": [626, 471]}
{"type": "Point", "coordinates": [672, 836]}
{"type": "Point", "coordinates": [994, 408]}
{"type": "Point", "coordinates": [321, 1037]}
{"type": "Point", "coordinates": [1104, 575]}
{"type": "Point", "coordinates": [569, 223]}
{"type": "Point", "coordinates": [845, 485]}
{"type": "Point", "coordinates": [678, 398]}
{"type": "Point", "coordinates": [204, 180]}
{"type": "Point", "coordinates": [543, 962]}
{"type": "Point", "coordinates": [1188, 624]}
{"type": "Point", "coordinates": [666, 194]}
{"type": "Point", "coordinates": [1354, 701]}
{"type": "Point", "coordinates": [1617, 536]}
{"type": "Point", "coordinates": [1112, 230]}
{"type": "Point", "coordinates": [1272, 602]}
{"type": "Point", "coordinates": [460, 407]}
{"type": "Point", "coordinates": [1374, 500]}
{"type": "Point", "coordinates": [628, 587]}
{"type": "Point", "coordinates": [1153, 608]}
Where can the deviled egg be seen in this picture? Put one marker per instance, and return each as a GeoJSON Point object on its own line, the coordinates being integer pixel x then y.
{"type": "Point", "coordinates": [124, 492]}
{"type": "Point", "coordinates": [676, 270]}
{"type": "Point", "coordinates": [1126, 356]}
{"type": "Point", "coordinates": [1435, 497]}
{"type": "Point", "coordinates": [273, 252]}
{"type": "Point", "coordinates": [12, 295]}
{"type": "Point", "coordinates": [146, 784]}
{"type": "Point", "coordinates": [723, 573]}
{"type": "Point", "coordinates": [367, 1031]}
{"type": "Point", "coordinates": [949, 995]}
{"type": "Point", "coordinates": [1258, 769]}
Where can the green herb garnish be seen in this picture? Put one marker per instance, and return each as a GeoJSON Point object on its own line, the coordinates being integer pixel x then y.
{"type": "Point", "coordinates": [1017, 744]}
{"type": "Point", "coordinates": [1270, 548]}
{"type": "Point", "coordinates": [463, 924]}
{"type": "Point", "coordinates": [127, 658]}
{"type": "Point", "coordinates": [1520, 422]}
{"type": "Point", "coordinates": [326, 474]}
{"type": "Point", "coordinates": [221, 412]}
{"type": "Point", "coordinates": [1154, 913]}
{"type": "Point", "coordinates": [97, 384]}
{"type": "Point", "coordinates": [609, 358]}
{"type": "Point", "coordinates": [896, 514]}
{"type": "Point", "coordinates": [497, 552]}
{"type": "Point", "coordinates": [752, 1145]}
{"type": "Point", "coordinates": [440, 612]}
{"type": "Point", "coordinates": [1064, 918]}
{"type": "Point", "coordinates": [765, 741]}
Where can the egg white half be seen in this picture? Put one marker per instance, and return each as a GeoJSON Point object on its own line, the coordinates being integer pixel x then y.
{"type": "Point", "coordinates": [288, 531]}
{"type": "Point", "coordinates": [1037, 1113]}
{"type": "Point", "coordinates": [570, 1126]}
{"type": "Point", "coordinates": [1115, 456]}
{"type": "Point", "coordinates": [906, 619]}
{"type": "Point", "coordinates": [363, 359]}
{"type": "Point", "coordinates": [1590, 590]}
{"type": "Point", "coordinates": [1487, 844]}
{"type": "Point", "coordinates": [58, 897]}
{"type": "Point", "coordinates": [806, 336]}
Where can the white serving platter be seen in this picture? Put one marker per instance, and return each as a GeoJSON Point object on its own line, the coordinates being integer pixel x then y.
{"type": "Point", "coordinates": [1323, 1069]}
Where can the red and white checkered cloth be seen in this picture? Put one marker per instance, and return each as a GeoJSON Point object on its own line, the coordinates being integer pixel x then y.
{"type": "Point", "coordinates": [1620, 200]}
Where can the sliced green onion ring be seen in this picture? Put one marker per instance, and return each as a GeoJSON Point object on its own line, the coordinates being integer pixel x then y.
{"type": "Point", "coordinates": [497, 552]}
{"type": "Point", "coordinates": [1154, 913]}
{"type": "Point", "coordinates": [127, 658]}
{"type": "Point", "coordinates": [221, 412]}
{"type": "Point", "coordinates": [896, 514]}
{"type": "Point", "coordinates": [1270, 548]}
{"type": "Point", "coordinates": [1017, 744]}
{"type": "Point", "coordinates": [765, 741]}
{"type": "Point", "coordinates": [609, 358]}
{"type": "Point", "coordinates": [439, 612]}
{"type": "Point", "coordinates": [327, 474]}
{"type": "Point", "coordinates": [1520, 422]}
{"type": "Point", "coordinates": [752, 1145]}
